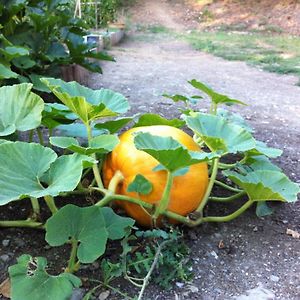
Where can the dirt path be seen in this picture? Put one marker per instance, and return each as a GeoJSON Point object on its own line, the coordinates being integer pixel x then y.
{"type": "Point", "coordinates": [258, 253]}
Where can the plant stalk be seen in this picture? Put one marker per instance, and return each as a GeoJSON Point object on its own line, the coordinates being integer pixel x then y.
{"type": "Point", "coordinates": [210, 186]}
{"type": "Point", "coordinates": [165, 199]}
{"type": "Point", "coordinates": [40, 135]}
{"type": "Point", "coordinates": [95, 165]}
{"type": "Point", "coordinates": [35, 207]}
{"type": "Point", "coordinates": [114, 182]}
{"type": "Point", "coordinates": [227, 199]}
{"type": "Point", "coordinates": [228, 187]}
{"type": "Point", "coordinates": [22, 223]}
{"type": "Point", "coordinates": [51, 204]}
{"type": "Point", "coordinates": [72, 266]}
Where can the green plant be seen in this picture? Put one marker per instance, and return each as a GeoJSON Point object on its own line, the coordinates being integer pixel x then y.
{"type": "Point", "coordinates": [35, 172]}
{"type": "Point", "coordinates": [38, 37]}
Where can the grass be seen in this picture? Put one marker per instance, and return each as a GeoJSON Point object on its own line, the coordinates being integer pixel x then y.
{"type": "Point", "coordinates": [274, 53]}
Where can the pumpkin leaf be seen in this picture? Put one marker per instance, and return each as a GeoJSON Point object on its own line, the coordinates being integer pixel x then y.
{"type": "Point", "coordinates": [20, 109]}
{"type": "Point", "coordinates": [101, 144]}
{"type": "Point", "coordinates": [6, 72]}
{"type": "Point", "coordinates": [116, 226]}
{"type": "Point", "coordinates": [215, 97]}
{"type": "Point", "coordinates": [260, 162]}
{"type": "Point", "coordinates": [261, 148]}
{"type": "Point", "coordinates": [77, 130]}
{"type": "Point", "coordinates": [30, 280]}
{"type": "Point", "coordinates": [140, 185]}
{"type": "Point", "coordinates": [31, 170]}
{"type": "Point", "coordinates": [11, 52]}
{"type": "Point", "coordinates": [114, 125]}
{"type": "Point", "coordinates": [153, 119]}
{"type": "Point", "coordinates": [262, 209]}
{"type": "Point", "coordinates": [219, 135]}
{"type": "Point", "coordinates": [234, 118]}
{"type": "Point", "coordinates": [90, 226]}
{"type": "Point", "coordinates": [263, 185]}
{"type": "Point", "coordinates": [88, 104]}
{"type": "Point", "coordinates": [180, 98]}
{"type": "Point", "coordinates": [169, 153]}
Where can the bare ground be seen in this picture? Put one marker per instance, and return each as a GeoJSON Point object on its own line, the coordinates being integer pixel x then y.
{"type": "Point", "coordinates": [259, 257]}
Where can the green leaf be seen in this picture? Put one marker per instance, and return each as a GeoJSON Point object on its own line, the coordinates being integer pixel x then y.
{"type": "Point", "coordinates": [6, 72]}
{"type": "Point", "coordinates": [55, 114]}
{"type": "Point", "coordinates": [116, 226]}
{"type": "Point", "coordinates": [180, 98]}
{"type": "Point", "coordinates": [168, 152]}
{"type": "Point", "coordinates": [23, 62]}
{"type": "Point", "coordinates": [262, 148]}
{"type": "Point", "coordinates": [114, 125]}
{"type": "Point", "coordinates": [30, 281]}
{"type": "Point", "coordinates": [262, 209]}
{"type": "Point", "coordinates": [234, 118]}
{"type": "Point", "coordinates": [77, 130]}
{"type": "Point", "coordinates": [265, 185]}
{"type": "Point", "coordinates": [20, 109]}
{"type": "Point", "coordinates": [85, 225]}
{"type": "Point", "coordinates": [140, 185]}
{"type": "Point", "coordinates": [37, 84]}
{"type": "Point", "coordinates": [101, 144]}
{"type": "Point", "coordinates": [219, 135]}
{"type": "Point", "coordinates": [88, 104]}
{"type": "Point", "coordinates": [31, 170]}
{"type": "Point", "coordinates": [153, 119]}
{"type": "Point", "coordinates": [11, 52]}
{"type": "Point", "coordinates": [215, 97]}
{"type": "Point", "coordinates": [260, 162]}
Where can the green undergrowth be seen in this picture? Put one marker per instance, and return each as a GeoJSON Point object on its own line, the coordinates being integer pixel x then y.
{"type": "Point", "coordinates": [274, 53]}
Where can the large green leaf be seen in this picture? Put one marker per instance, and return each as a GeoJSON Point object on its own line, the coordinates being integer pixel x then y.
{"type": "Point", "coordinates": [220, 135]}
{"type": "Point", "coordinates": [30, 281]}
{"type": "Point", "coordinates": [215, 97]}
{"type": "Point", "coordinates": [262, 148]}
{"type": "Point", "coordinates": [265, 185]}
{"type": "Point", "coordinates": [6, 72]}
{"type": "Point", "coordinates": [35, 171]}
{"type": "Point", "coordinates": [20, 109]}
{"type": "Point", "coordinates": [153, 119]}
{"type": "Point", "coordinates": [88, 104]}
{"type": "Point", "coordinates": [11, 52]}
{"type": "Point", "coordinates": [169, 153]}
{"type": "Point", "coordinates": [260, 162]}
{"type": "Point", "coordinates": [116, 225]}
{"type": "Point", "coordinates": [90, 226]}
{"type": "Point", "coordinates": [113, 126]}
{"type": "Point", "coordinates": [101, 144]}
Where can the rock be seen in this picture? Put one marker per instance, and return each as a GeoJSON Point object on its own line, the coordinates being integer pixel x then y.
{"type": "Point", "coordinates": [4, 257]}
{"type": "Point", "coordinates": [5, 243]}
{"type": "Point", "coordinates": [77, 294]}
{"type": "Point", "coordinates": [274, 278]}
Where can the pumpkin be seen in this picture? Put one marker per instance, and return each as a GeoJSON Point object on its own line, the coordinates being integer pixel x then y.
{"type": "Point", "coordinates": [187, 190]}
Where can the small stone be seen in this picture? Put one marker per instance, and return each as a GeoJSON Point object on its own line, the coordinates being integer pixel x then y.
{"type": "Point", "coordinates": [214, 254]}
{"type": "Point", "coordinates": [179, 284]}
{"type": "Point", "coordinates": [77, 294]}
{"type": "Point", "coordinates": [5, 243]}
{"type": "Point", "coordinates": [274, 278]}
{"type": "Point", "coordinates": [255, 229]}
{"type": "Point", "coordinates": [4, 258]}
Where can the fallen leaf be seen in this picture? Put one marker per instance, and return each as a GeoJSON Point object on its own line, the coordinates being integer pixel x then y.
{"type": "Point", "coordinates": [5, 288]}
{"type": "Point", "coordinates": [293, 233]}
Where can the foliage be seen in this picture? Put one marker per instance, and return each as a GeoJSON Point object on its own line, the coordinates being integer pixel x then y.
{"type": "Point", "coordinates": [36, 172]}
{"type": "Point", "coordinates": [38, 37]}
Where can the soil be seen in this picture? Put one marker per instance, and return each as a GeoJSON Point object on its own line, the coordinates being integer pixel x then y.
{"type": "Point", "coordinates": [258, 260]}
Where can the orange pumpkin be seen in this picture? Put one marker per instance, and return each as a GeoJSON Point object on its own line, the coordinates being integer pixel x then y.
{"type": "Point", "coordinates": [187, 190]}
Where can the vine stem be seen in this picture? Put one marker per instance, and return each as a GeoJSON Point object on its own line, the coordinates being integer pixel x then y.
{"type": "Point", "coordinates": [72, 266]}
{"type": "Point", "coordinates": [228, 187]}
{"type": "Point", "coordinates": [165, 199]}
{"type": "Point", "coordinates": [210, 185]}
{"type": "Point", "coordinates": [227, 199]}
{"type": "Point", "coordinates": [228, 217]}
{"type": "Point", "coordinates": [35, 207]}
{"type": "Point", "coordinates": [95, 165]}
{"type": "Point", "coordinates": [40, 135]}
{"type": "Point", "coordinates": [51, 204]}
{"type": "Point", "coordinates": [22, 223]}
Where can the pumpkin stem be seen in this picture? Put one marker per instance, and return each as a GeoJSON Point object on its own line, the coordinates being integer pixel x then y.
{"type": "Point", "coordinates": [115, 181]}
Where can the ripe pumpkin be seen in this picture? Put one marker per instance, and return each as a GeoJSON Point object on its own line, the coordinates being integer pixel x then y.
{"type": "Point", "coordinates": [187, 190]}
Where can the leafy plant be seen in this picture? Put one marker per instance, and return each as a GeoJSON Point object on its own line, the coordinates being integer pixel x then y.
{"type": "Point", "coordinates": [154, 171]}
{"type": "Point", "coordinates": [38, 37]}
